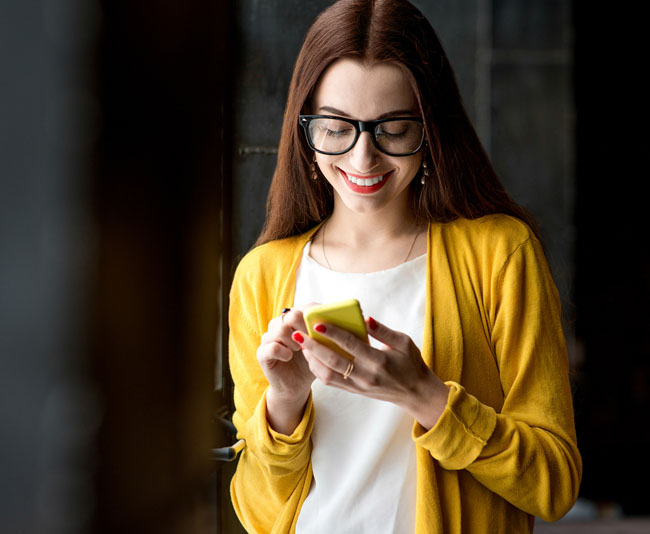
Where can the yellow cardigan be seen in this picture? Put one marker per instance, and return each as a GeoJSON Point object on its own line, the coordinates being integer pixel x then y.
{"type": "Point", "coordinates": [504, 449]}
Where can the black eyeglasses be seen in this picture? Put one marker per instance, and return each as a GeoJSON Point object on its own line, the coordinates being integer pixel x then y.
{"type": "Point", "coordinates": [331, 135]}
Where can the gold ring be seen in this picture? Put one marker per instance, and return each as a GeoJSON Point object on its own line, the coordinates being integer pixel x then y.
{"type": "Point", "coordinates": [348, 371]}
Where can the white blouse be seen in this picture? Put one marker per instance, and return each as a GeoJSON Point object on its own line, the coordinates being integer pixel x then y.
{"type": "Point", "coordinates": [363, 457]}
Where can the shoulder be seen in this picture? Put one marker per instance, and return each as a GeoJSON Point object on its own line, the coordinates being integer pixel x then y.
{"type": "Point", "coordinates": [497, 233]}
{"type": "Point", "coordinates": [490, 228]}
{"type": "Point", "coordinates": [270, 252]}
{"type": "Point", "coordinates": [273, 260]}
{"type": "Point", "coordinates": [485, 245]}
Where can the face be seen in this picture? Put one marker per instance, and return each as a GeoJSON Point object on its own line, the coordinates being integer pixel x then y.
{"type": "Point", "coordinates": [365, 179]}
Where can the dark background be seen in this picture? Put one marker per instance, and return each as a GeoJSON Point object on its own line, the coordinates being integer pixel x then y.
{"type": "Point", "coordinates": [137, 143]}
{"type": "Point", "coordinates": [612, 257]}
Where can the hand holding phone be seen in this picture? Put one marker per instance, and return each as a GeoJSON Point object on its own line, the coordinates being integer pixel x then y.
{"type": "Point", "coordinates": [345, 314]}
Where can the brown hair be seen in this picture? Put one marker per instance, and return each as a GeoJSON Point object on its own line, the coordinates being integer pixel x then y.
{"type": "Point", "coordinates": [463, 182]}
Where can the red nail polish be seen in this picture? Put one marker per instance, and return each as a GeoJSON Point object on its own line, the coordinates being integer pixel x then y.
{"type": "Point", "coordinates": [320, 328]}
{"type": "Point", "coordinates": [372, 323]}
{"type": "Point", "coordinates": [297, 337]}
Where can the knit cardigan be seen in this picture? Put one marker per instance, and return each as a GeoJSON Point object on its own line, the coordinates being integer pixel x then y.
{"type": "Point", "coordinates": [503, 451]}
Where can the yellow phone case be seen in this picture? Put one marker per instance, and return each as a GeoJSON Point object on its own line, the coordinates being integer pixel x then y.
{"type": "Point", "coordinates": [345, 314]}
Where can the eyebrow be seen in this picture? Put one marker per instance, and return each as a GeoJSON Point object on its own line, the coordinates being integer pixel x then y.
{"type": "Point", "coordinates": [396, 113]}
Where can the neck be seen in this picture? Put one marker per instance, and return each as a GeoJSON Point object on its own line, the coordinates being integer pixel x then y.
{"type": "Point", "coordinates": [368, 242]}
{"type": "Point", "coordinates": [359, 229]}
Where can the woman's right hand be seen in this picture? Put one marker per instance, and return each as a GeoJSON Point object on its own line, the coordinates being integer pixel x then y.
{"type": "Point", "coordinates": [286, 370]}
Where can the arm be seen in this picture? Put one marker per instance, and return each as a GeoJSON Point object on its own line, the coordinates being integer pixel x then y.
{"type": "Point", "coordinates": [527, 453]}
{"type": "Point", "coordinates": [273, 472]}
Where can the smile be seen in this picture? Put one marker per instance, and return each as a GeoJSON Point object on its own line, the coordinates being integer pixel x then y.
{"type": "Point", "coordinates": [365, 184]}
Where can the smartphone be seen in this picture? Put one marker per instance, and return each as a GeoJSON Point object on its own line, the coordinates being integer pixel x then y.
{"type": "Point", "coordinates": [345, 314]}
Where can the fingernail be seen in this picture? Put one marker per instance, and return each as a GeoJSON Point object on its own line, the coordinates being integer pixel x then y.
{"type": "Point", "coordinates": [297, 337]}
{"type": "Point", "coordinates": [372, 323]}
{"type": "Point", "coordinates": [320, 328]}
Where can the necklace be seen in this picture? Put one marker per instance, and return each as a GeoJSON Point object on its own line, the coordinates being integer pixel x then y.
{"type": "Point", "coordinates": [403, 261]}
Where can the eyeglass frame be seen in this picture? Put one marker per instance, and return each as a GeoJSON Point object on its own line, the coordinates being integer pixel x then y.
{"type": "Point", "coordinates": [360, 127]}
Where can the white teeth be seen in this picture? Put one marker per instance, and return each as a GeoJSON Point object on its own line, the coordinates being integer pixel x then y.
{"type": "Point", "coordinates": [366, 182]}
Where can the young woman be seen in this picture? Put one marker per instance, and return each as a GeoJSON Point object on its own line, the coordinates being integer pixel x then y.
{"type": "Point", "coordinates": [458, 416]}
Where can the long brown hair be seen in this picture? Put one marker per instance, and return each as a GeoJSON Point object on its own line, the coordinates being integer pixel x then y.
{"type": "Point", "coordinates": [463, 182]}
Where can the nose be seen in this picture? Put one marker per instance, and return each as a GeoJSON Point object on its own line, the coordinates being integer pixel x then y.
{"type": "Point", "coordinates": [364, 155]}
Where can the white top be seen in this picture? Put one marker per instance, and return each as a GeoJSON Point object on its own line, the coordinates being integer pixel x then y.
{"type": "Point", "coordinates": [363, 457]}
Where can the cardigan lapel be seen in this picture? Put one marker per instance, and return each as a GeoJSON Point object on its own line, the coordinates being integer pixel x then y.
{"type": "Point", "coordinates": [442, 349]}
{"type": "Point", "coordinates": [289, 272]}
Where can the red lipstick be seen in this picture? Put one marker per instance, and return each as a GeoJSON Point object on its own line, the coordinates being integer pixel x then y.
{"type": "Point", "coordinates": [365, 189]}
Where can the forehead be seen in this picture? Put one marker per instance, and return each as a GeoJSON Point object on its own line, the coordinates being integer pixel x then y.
{"type": "Point", "coordinates": [364, 92]}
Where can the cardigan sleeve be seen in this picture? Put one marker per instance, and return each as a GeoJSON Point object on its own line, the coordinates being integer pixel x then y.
{"type": "Point", "coordinates": [274, 471]}
{"type": "Point", "coordinates": [526, 452]}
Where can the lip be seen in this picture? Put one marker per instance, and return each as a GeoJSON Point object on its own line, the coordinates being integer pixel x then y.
{"type": "Point", "coordinates": [365, 189]}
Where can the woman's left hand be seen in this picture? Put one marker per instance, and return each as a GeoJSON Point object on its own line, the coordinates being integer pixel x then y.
{"type": "Point", "coordinates": [395, 373]}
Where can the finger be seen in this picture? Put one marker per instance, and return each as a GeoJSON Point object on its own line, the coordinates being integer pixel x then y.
{"type": "Point", "coordinates": [325, 355]}
{"type": "Point", "coordinates": [281, 327]}
{"type": "Point", "coordinates": [294, 319]}
{"type": "Point", "coordinates": [392, 338]}
{"type": "Point", "coordinates": [322, 372]}
{"type": "Point", "coordinates": [274, 351]}
{"type": "Point", "coordinates": [345, 339]}
{"type": "Point", "coordinates": [330, 367]}
{"type": "Point", "coordinates": [283, 313]}
{"type": "Point", "coordinates": [327, 375]}
{"type": "Point", "coordinates": [280, 334]}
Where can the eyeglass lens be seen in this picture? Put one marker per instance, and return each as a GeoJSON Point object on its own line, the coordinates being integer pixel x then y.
{"type": "Point", "coordinates": [395, 137]}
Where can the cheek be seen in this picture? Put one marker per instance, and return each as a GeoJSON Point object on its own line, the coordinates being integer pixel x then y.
{"type": "Point", "coordinates": [416, 169]}
{"type": "Point", "coordinates": [325, 164]}
{"type": "Point", "coordinates": [413, 166]}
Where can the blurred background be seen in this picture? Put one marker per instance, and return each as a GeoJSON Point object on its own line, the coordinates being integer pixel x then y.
{"type": "Point", "coordinates": [138, 140]}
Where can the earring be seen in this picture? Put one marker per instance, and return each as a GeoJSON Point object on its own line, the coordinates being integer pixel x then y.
{"type": "Point", "coordinates": [314, 174]}
{"type": "Point", "coordinates": [425, 172]}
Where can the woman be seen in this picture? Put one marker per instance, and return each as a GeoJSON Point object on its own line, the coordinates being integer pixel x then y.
{"type": "Point", "coordinates": [457, 417]}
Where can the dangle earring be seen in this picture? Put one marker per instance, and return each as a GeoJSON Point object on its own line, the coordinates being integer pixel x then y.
{"type": "Point", "coordinates": [314, 174]}
{"type": "Point", "coordinates": [425, 172]}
